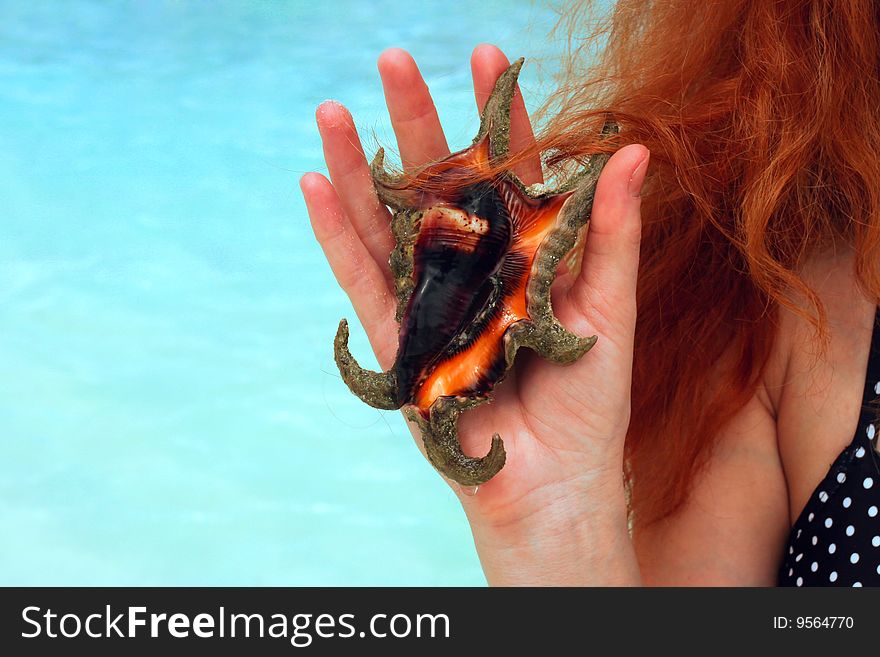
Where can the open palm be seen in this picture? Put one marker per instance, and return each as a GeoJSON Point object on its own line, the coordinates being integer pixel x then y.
{"type": "Point", "coordinates": [561, 426]}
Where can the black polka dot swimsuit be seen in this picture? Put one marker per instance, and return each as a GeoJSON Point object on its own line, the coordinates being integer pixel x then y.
{"type": "Point", "coordinates": [836, 539]}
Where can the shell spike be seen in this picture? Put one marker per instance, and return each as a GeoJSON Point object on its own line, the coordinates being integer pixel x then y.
{"type": "Point", "coordinates": [495, 118]}
{"type": "Point", "coordinates": [551, 341]}
{"type": "Point", "coordinates": [374, 388]}
{"type": "Point", "coordinates": [440, 435]}
{"type": "Point", "coordinates": [391, 189]}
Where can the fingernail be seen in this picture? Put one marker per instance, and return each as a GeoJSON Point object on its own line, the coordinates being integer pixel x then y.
{"type": "Point", "coordinates": [637, 177]}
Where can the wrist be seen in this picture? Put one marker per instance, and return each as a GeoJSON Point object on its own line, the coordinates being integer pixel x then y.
{"type": "Point", "coordinates": [572, 532]}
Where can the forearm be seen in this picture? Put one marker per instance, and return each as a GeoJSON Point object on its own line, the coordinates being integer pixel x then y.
{"type": "Point", "coordinates": [577, 536]}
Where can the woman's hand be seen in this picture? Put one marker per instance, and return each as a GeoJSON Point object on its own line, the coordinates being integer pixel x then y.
{"type": "Point", "coordinates": [556, 511]}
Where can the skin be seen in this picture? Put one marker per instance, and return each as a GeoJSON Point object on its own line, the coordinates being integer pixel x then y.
{"type": "Point", "coordinates": [776, 451]}
{"type": "Point", "coordinates": [556, 513]}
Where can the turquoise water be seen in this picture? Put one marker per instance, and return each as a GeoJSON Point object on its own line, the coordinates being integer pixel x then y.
{"type": "Point", "coordinates": [169, 408]}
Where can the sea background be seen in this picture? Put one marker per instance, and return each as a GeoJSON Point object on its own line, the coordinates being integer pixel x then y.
{"type": "Point", "coordinates": [170, 413]}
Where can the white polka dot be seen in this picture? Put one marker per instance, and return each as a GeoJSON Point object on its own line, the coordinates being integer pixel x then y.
{"type": "Point", "coordinates": [790, 550]}
{"type": "Point", "coordinates": [846, 502]}
{"type": "Point", "coordinates": [854, 557]}
{"type": "Point", "coordinates": [815, 540]}
{"type": "Point", "coordinates": [875, 541]}
{"type": "Point", "coordinates": [811, 516]}
{"type": "Point", "coordinates": [877, 388]}
{"type": "Point", "coordinates": [800, 581]}
{"type": "Point", "coordinates": [872, 511]}
{"type": "Point", "coordinates": [832, 548]}
{"type": "Point", "coordinates": [814, 566]}
{"type": "Point", "coordinates": [860, 452]}
{"type": "Point", "coordinates": [828, 522]}
{"type": "Point", "coordinates": [857, 585]}
{"type": "Point", "coordinates": [850, 530]}
{"type": "Point", "coordinates": [841, 477]}
{"type": "Point", "coordinates": [823, 496]}
{"type": "Point", "coordinates": [833, 576]}
{"type": "Point", "coordinates": [799, 557]}
{"type": "Point", "coordinates": [868, 482]}
{"type": "Point", "coordinates": [790, 572]}
{"type": "Point", "coordinates": [878, 569]}
{"type": "Point", "coordinates": [870, 431]}
{"type": "Point", "coordinates": [799, 533]}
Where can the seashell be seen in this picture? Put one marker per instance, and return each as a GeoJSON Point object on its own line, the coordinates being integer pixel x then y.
{"type": "Point", "coordinates": [474, 260]}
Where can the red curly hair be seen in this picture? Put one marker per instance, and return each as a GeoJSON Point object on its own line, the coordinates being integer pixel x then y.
{"type": "Point", "coordinates": [763, 122]}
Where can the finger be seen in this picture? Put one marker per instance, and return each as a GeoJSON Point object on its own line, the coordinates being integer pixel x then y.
{"type": "Point", "coordinates": [605, 288]}
{"type": "Point", "coordinates": [350, 174]}
{"type": "Point", "coordinates": [414, 118]}
{"type": "Point", "coordinates": [487, 64]}
{"type": "Point", "coordinates": [354, 268]}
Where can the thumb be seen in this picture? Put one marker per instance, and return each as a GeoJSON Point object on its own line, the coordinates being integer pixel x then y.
{"type": "Point", "coordinates": [606, 284]}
